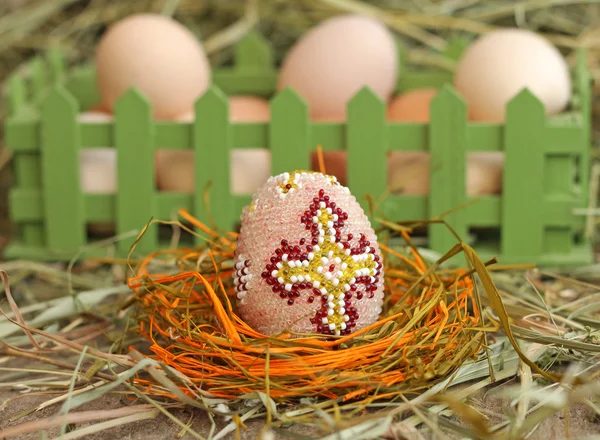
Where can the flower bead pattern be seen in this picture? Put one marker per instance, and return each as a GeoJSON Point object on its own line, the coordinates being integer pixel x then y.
{"type": "Point", "coordinates": [326, 273]}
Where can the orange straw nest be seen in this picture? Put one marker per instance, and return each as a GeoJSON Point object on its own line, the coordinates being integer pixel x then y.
{"type": "Point", "coordinates": [431, 324]}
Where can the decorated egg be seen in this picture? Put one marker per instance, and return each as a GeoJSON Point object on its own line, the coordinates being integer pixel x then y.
{"type": "Point", "coordinates": [307, 258]}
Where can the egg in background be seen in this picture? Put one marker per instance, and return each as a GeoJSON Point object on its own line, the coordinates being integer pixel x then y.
{"type": "Point", "coordinates": [157, 55]}
{"type": "Point", "coordinates": [331, 62]}
{"type": "Point", "coordinates": [408, 171]}
{"type": "Point", "coordinates": [250, 167]}
{"type": "Point", "coordinates": [499, 64]}
{"type": "Point", "coordinates": [98, 169]}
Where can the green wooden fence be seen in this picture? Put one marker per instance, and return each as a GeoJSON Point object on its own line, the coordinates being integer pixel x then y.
{"type": "Point", "coordinates": [545, 176]}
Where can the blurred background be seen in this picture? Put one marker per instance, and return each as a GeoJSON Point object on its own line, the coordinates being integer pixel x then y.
{"type": "Point", "coordinates": [29, 27]}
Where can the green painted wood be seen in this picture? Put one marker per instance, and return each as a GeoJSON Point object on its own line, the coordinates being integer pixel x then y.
{"type": "Point", "coordinates": [64, 224]}
{"type": "Point", "coordinates": [57, 65]}
{"type": "Point", "coordinates": [367, 137]}
{"type": "Point", "coordinates": [559, 175]}
{"type": "Point", "coordinates": [405, 208]}
{"type": "Point", "coordinates": [100, 207]}
{"type": "Point", "coordinates": [249, 135]}
{"type": "Point", "coordinates": [522, 220]}
{"type": "Point", "coordinates": [27, 177]}
{"type": "Point", "coordinates": [81, 83]}
{"type": "Point", "coordinates": [447, 180]}
{"type": "Point", "coordinates": [408, 137]}
{"type": "Point", "coordinates": [584, 83]}
{"type": "Point", "coordinates": [22, 134]}
{"type": "Point", "coordinates": [232, 82]}
{"type": "Point", "coordinates": [17, 94]}
{"type": "Point", "coordinates": [565, 140]}
{"type": "Point", "coordinates": [484, 137]}
{"type": "Point", "coordinates": [289, 133]}
{"type": "Point", "coordinates": [97, 134]}
{"type": "Point", "coordinates": [39, 79]}
{"type": "Point", "coordinates": [253, 53]}
{"type": "Point", "coordinates": [212, 145]}
{"type": "Point", "coordinates": [173, 135]}
{"type": "Point", "coordinates": [330, 136]}
{"type": "Point", "coordinates": [134, 141]}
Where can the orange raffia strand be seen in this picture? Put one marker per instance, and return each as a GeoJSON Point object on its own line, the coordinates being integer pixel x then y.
{"type": "Point", "coordinates": [224, 355]}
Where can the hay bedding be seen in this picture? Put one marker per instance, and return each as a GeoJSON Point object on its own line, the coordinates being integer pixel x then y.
{"type": "Point", "coordinates": [90, 349]}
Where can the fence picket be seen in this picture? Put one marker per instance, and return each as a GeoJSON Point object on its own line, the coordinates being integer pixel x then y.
{"type": "Point", "coordinates": [212, 143]}
{"type": "Point", "coordinates": [367, 143]}
{"type": "Point", "coordinates": [447, 179]}
{"type": "Point", "coordinates": [522, 232]}
{"type": "Point", "coordinates": [60, 185]}
{"type": "Point", "coordinates": [17, 94]}
{"type": "Point", "coordinates": [253, 52]}
{"type": "Point", "coordinates": [289, 133]}
{"type": "Point", "coordinates": [134, 140]}
{"type": "Point", "coordinates": [38, 77]}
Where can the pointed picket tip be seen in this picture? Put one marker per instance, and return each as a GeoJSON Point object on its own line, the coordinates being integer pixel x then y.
{"type": "Point", "coordinates": [253, 49]}
{"type": "Point", "coordinates": [525, 102]}
{"type": "Point", "coordinates": [57, 64]}
{"type": "Point", "coordinates": [288, 98]}
{"type": "Point", "coordinates": [60, 101]}
{"type": "Point", "coordinates": [447, 96]}
{"type": "Point", "coordinates": [132, 98]}
{"type": "Point", "coordinates": [366, 97]}
{"type": "Point", "coordinates": [213, 97]}
{"type": "Point", "coordinates": [456, 46]}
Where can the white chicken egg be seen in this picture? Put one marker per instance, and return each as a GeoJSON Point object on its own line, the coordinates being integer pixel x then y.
{"type": "Point", "coordinates": [495, 68]}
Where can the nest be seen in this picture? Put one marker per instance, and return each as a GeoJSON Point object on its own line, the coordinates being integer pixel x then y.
{"type": "Point", "coordinates": [430, 325]}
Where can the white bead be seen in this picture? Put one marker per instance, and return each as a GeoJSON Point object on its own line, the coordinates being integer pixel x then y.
{"type": "Point", "coordinates": [330, 224]}
{"type": "Point", "coordinates": [323, 290]}
{"type": "Point", "coordinates": [321, 240]}
{"type": "Point", "coordinates": [328, 275]}
{"type": "Point", "coordinates": [311, 256]}
{"type": "Point", "coordinates": [331, 305]}
{"type": "Point", "coordinates": [332, 326]}
{"type": "Point", "coordinates": [281, 280]}
{"type": "Point", "coordinates": [340, 246]}
{"type": "Point", "coordinates": [284, 257]}
{"type": "Point", "coordinates": [339, 274]}
{"type": "Point", "coordinates": [342, 311]}
{"type": "Point", "coordinates": [274, 273]}
{"type": "Point", "coordinates": [316, 284]}
{"type": "Point", "coordinates": [330, 312]}
{"type": "Point", "coordinates": [307, 277]}
{"type": "Point", "coordinates": [338, 260]}
{"type": "Point", "coordinates": [344, 266]}
{"type": "Point", "coordinates": [337, 333]}
{"type": "Point", "coordinates": [346, 318]}
{"type": "Point", "coordinates": [330, 253]}
{"type": "Point", "coordinates": [346, 287]}
{"type": "Point", "coordinates": [329, 211]}
{"type": "Point", "coordinates": [279, 265]}
{"type": "Point", "coordinates": [294, 279]}
{"type": "Point", "coordinates": [300, 278]}
{"type": "Point", "coordinates": [324, 260]}
{"type": "Point", "coordinates": [343, 326]}
{"type": "Point", "coordinates": [316, 248]}
{"type": "Point", "coordinates": [352, 280]}
{"type": "Point", "coordinates": [330, 297]}
{"type": "Point", "coordinates": [320, 269]}
{"type": "Point", "coordinates": [288, 287]}
{"type": "Point", "coordinates": [347, 251]}
{"type": "Point", "coordinates": [292, 263]}
{"type": "Point", "coordinates": [322, 205]}
{"type": "Point", "coordinates": [335, 217]}
{"type": "Point", "coordinates": [315, 219]}
{"type": "Point", "coordinates": [324, 321]}
{"type": "Point", "coordinates": [335, 281]}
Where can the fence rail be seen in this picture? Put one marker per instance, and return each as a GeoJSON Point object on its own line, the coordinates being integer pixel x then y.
{"type": "Point", "coordinates": [545, 173]}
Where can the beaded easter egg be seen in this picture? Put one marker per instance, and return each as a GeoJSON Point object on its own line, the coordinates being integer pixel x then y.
{"type": "Point", "coordinates": [307, 258]}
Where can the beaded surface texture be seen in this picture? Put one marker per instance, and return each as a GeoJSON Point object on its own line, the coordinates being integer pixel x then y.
{"type": "Point", "coordinates": [307, 259]}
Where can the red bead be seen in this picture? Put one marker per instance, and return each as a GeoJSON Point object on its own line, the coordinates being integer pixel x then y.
{"type": "Point", "coordinates": [290, 302]}
{"type": "Point", "coordinates": [311, 299]}
{"type": "Point", "coordinates": [321, 192]}
{"type": "Point", "coordinates": [288, 186]}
